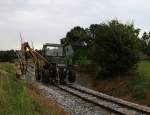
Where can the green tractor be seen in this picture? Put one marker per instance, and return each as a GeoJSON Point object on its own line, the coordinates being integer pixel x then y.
{"type": "Point", "coordinates": [59, 70]}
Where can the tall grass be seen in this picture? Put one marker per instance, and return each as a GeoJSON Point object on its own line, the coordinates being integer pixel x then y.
{"type": "Point", "coordinates": [144, 68]}
{"type": "Point", "coordinates": [132, 87]}
{"type": "Point", "coordinates": [14, 98]}
{"type": "Point", "coordinates": [139, 86]}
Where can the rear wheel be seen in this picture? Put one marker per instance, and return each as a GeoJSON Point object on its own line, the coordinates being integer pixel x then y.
{"type": "Point", "coordinates": [45, 76]}
{"type": "Point", "coordinates": [72, 76]}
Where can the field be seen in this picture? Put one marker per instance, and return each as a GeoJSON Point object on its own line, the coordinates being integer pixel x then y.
{"type": "Point", "coordinates": [144, 68]}
{"type": "Point", "coordinates": [19, 100]}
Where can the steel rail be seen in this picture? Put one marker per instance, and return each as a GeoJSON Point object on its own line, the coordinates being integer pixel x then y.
{"type": "Point", "coordinates": [92, 101]}
{"type": "Point", "coordinates": [140, 109]}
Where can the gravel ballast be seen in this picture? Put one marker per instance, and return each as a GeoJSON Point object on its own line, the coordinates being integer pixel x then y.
{"type": "Point", "coordinates": [71, 104]}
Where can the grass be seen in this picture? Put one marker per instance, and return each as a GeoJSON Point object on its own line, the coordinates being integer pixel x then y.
{"type": "Point", "coordinates": [139, 86]}
{"type": "Point", "coordinates": [144, 69]}
{"type": "Point", "coordinates": [16, 99]}
{"type": "Point", "coordinates": [135, 88]}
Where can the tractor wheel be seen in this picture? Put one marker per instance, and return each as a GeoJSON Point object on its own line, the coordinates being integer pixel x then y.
{"type": "Point", "coordinates": [62, 76]}
{"type": "Point", "coordinates": [45, 76]}
{"type": "Point", "coordinates": [72, 76]}
{"type": "Point", "coordinates": [57, 79]}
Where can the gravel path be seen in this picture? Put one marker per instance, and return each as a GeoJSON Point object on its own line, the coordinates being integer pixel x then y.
{"type": "Point", "coordinates": [71, 104]}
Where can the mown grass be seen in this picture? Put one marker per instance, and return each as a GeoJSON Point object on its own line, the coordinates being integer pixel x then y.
{"type": "Point", "coordinates": [144, 68]}
{"type": "Point", "coordinates": [15, 99]}
{"type": "Point", "coordinates": [139, 86]}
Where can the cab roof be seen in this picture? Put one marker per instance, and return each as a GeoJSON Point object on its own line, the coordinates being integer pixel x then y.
{"type": "Point", "coordinates": [53, 45]}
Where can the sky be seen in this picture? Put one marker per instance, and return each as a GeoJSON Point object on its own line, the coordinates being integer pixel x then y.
{"type": "Point", "coordinates": [41, 21]}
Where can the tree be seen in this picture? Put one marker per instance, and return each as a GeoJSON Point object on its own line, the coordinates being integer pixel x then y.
{"type": "Point", "coordinates": [116, 47]}
{"type": "Point", "coordinates": [79, 39]}
{"type": "Point", "coordinates": [145, 43]}
{"type": "Point", "coordinates": [93, 28]}
{"type": "Point", "coordinates": [7, 56]}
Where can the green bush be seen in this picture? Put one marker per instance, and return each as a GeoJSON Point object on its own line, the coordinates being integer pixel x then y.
{"type": "Point", "coordinates": [116, 48]}
{"type": "Point", "coordinates": [79, 39]}
{"type": "Point", "coordinates": [82, 60]}
{"type": "Point", "coordinates": [138, 87]}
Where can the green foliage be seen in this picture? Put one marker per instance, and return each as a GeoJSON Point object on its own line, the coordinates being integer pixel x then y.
{"type": "Point", "coordinates": [144, 68]}
{"type": "Point", "coordinates": [145, 43]}
{"type": "Point", "coordinates": [15, 99]}
{"type": "Point", "coordinates": [7, 67]}
{"type": "Point", "coordinates": [82, 60]}
{"type": "Point", "coordinates": [116, 47]}
{"type": "Point", "coordinates": [7, 56]}
{"type": "Point", "coordinates": [79, 39]}
{"type": "Point", "coordinates": [138, 87]}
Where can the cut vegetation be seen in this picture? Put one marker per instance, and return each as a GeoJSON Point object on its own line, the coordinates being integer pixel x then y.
{"type": "Point", "coordinates": [134, 87]}
{"type": "Point", "coordinates": [19, 100]}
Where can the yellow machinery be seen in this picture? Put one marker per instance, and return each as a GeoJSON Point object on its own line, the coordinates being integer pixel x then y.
{"type": "Point", "coordinates": [37, 58]}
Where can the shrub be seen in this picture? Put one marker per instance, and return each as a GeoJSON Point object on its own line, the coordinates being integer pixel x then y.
{"type": "Point", "coordinates": [116, 47]}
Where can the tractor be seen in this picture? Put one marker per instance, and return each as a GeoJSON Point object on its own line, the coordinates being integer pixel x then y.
{"type": "Point", "coordinates": [58, 70]}
{"type": "Point", "coordinates": [51, 66]}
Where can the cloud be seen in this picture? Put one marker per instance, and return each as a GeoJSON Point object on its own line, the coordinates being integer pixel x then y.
{"type": "Point", "coordinates": [43, 21]}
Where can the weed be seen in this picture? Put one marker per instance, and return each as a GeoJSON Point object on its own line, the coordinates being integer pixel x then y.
{"type": "Point", "coordinates": [15, 99]}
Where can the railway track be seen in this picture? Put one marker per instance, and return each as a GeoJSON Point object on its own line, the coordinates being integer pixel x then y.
{"type": "Point", "coordinates": [113, 105]}
{"type": "Point", "coordinates": [110, 103]}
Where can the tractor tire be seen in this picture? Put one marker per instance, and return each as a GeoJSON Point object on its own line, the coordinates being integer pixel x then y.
{"type": "Point", "coordinates": [45, 76]}
{"type": "Point", "coordinates": [72, 77]}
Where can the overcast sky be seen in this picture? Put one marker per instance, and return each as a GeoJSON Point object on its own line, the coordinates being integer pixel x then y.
{"type": "Point", "coordinates": [43, 21]}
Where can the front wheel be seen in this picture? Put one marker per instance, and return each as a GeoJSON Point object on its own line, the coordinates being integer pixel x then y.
{"type": "Point", "coordinates": [72, 76]}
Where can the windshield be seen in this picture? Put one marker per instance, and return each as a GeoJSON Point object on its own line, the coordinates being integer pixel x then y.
{"type": "Point", "coordinates": [54, 51]}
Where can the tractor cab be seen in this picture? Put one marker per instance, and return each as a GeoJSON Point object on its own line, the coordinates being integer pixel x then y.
{"type": "Point", "coordinates": [59, 68]}
{"type": "Point", "coordinates": [55, 53]}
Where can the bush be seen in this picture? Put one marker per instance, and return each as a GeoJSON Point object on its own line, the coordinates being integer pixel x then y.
{"type": "Point", "coordinates": [138, 87]}
{"type": "Point", "coordinates": [116, 48]}
{"type": "Point", "coordinates": [82, 60]}
{"type": "Point", "coordinates": [79, 39]}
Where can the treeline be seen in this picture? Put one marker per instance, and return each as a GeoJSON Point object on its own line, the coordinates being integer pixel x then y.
{"type": "Point", "coordinates": [145, 44]}
{"type": "Point", "coordinates": [114, 47]}
{"type": "Point", "coordinates": [11, 55]}
{"type": "Point", "coordinates": [8, 56]}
